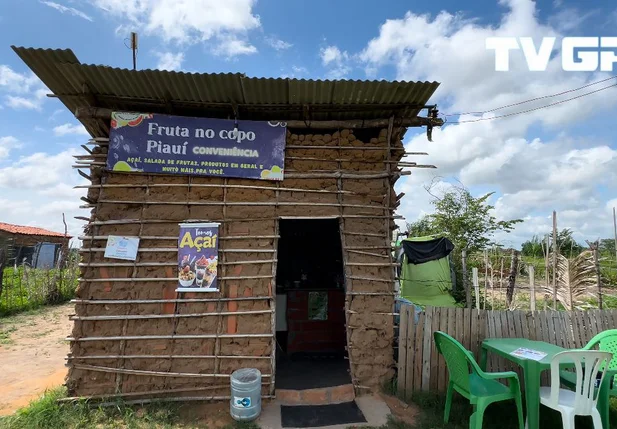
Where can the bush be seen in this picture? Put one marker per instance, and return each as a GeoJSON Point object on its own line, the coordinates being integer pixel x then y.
{"type": "Point", "coordinates": [25, 288]}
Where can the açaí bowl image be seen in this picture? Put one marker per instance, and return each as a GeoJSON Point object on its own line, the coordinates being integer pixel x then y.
{"type": "Point", "coordinates": [186, 276]}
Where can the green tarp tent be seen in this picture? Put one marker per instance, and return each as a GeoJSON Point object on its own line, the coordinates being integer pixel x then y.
{"type": "Point", "coordinates": [428, 281]}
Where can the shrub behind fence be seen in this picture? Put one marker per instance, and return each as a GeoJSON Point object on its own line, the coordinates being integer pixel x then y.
{"type": "Point", "coordinates": [25, 288]}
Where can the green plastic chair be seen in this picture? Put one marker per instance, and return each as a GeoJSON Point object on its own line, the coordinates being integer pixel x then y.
{"type": "Point", "coordinates": [479, 387]}
{"type": "Point", "coordinates": [605, 341]}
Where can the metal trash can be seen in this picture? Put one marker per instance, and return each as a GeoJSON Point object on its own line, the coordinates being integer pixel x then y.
{"type": "Point", "coordinates": [245, 404]}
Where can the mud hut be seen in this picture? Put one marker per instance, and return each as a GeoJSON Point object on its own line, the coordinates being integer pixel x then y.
{"type": "Point", "coordinates": [305, 276]}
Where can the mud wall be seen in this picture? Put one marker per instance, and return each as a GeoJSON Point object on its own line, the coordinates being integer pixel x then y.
{"type": "Point", "coordinates": [134, 336]}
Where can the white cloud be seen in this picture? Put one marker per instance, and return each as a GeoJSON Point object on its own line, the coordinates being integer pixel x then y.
{"type": "Point", "coordinates": [230, 47]}
{"type": "Point", "coordinates": [25, 91]}
{"type": "Point", "coordinates": [336, 60]}
{"type": "Point", "coordinates": [331, 54]}
{"type": "Point", "coordinates": [278, 44]}
{"type": "Point", "coordinates": [532, 176]}
{"type": "Point", "coordinates": [12, 81]}
{"type": "Point", "coordinates": [66, 129]}
{"type": "Point", "coordinates": [26, 173]}
{"type": "Point", "coordinates": [299, 69]}
{"type": "Point", "coordinates": [189, 21]}
{"type": "Point", "coordinates": [66, 9]}
{"type": "Point", "coordinates": [30, 197]}
{"type": "Point", "coordinates": [6, 144]}
{"type": "Point", "coordinates": [23, 103]}
{"type": "Point", "coordinates": [170, 61]}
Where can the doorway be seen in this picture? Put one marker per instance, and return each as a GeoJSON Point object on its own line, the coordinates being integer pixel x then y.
{"type": "Point", "coordinates": [310, 308]}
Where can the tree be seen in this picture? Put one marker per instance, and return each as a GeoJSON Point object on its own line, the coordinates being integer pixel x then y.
{"type": "Point", "coordinates": [467, 221]}
{"type": "Point", "coordinates": [566, 245]}
{"type": "Point", "coordinates": [607, 247]}
{"type": "Point", "coordinates": [533, 247]}
{"type": "Point", "coordinates": [420, 228]}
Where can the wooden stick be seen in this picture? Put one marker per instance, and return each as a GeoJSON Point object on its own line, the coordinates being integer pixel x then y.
{"type": "Point", "coordinates": [465, 285]}
{"type": "Point", "coordinates": [166, 337]}
{"type": "Point", "coordinates": [376, 255]}
{"type": "Point", "coordinates": [372, 264]}
{"type": "Point", "coordinates": [152, 373]}
{"type": "Point", "coordinates": [166, 399]}
{"type": "Point", "coordinates": [162, 357]}
{"type": "Point", "coordinates": [166, 264]}
{"type": "Point", "coordinates": [147, 393]}
{"type": "Point", "coordinates": [167, 316]}
{"type": "Point", "coordinates": [615, 232]}
{"type": "Point", "coordinates": [235, 203]}
{"type": "Point", "coordinates": [372, 293]}
{"type": "Point", "coordinates": [211, 185]}
{"type": "Point", "coordinates": [163, 301]}
{"type": "Point", "coordinates": [532, 287]}
{"type": "Point", "coordinates": [273, 304]}
{"type": "Point", "coordinates": [175, 249]}
{"type": "Point", "coordinates": [364, 234]}
{"type": "Point", "coordinates": [155, 237]}
{"type": "Point", "coordinates": [165, 279]}
{"type": "Point", "coordinates": [373, 279]}
{"type": "Point", "coordinates": [554, 260]}
{"type": "Point", "coordinates": [262, 219]}
{"type": "Point", "coordinates": [105, 114]}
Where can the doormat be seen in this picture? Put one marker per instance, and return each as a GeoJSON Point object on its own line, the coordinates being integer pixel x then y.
{"type": "Point", "coordinates": [305, 416]}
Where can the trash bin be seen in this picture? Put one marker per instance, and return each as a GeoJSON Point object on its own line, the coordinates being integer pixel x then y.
{"type": "Point", "coordinates": [245, 404]}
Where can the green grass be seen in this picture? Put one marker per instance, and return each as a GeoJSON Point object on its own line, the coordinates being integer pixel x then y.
{"type": "Point", "coordinates": [48, 413]}
{"type": "Point", "coordinates": [5, 335]}
{"type": "Point", "coordinates": [25, 289]}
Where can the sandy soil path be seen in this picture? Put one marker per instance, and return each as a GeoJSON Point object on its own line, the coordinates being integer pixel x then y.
{"type": "Point", "coordinates": [32, 352]}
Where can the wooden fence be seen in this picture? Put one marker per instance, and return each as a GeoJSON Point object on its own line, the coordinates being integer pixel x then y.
{"type": "Point", "coordinates": [421, 368]}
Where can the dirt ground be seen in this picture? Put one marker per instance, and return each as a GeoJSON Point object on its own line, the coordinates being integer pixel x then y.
{"type": "Point", "coordinates": [32, 352]}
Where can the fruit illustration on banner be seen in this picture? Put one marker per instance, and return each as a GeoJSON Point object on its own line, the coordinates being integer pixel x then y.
{"type": "Point", "coordinates": [275, 173]}
{"type": "Point", "coordinates": [122, 119]}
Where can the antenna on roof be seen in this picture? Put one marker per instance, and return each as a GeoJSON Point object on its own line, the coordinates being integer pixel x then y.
{"type": "Point", "coordinates": [134, 49]}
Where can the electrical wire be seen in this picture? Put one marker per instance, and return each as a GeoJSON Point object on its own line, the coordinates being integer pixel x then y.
{"type": "Point", "coordinates": [532, 99]}
{"type": "Point", "coordinates": [534, 109]}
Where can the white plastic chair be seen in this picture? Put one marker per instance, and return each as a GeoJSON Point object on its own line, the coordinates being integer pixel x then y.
{"type": "Point", "coordinates": [582, 401]}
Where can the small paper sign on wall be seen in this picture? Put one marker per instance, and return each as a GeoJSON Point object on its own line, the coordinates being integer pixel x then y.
{"type": "Point", "coordinates": [198, 257]}
{"type": "Point", "coordinates": [122, 247]}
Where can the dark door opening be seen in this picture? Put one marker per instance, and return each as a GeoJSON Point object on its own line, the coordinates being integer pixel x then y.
{"type": "Point", "coordinates": [310, 307]}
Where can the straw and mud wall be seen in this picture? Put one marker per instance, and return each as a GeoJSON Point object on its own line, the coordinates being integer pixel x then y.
{"type": "Point", "coordinates": [135, 337]}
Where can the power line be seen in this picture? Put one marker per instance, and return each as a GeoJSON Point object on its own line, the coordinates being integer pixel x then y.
{"type": "Point", "coordinates": [532, 99]}
{"type": "Point", "coordinates": [534, 109]}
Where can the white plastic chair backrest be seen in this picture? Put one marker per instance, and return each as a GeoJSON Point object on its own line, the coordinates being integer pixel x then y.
{"type": "Point", "coordinates": [588, 364]}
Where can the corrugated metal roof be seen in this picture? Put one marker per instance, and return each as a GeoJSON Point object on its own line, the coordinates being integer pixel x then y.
{"type": "Point", "coordinates": [206, 94]}
{"type": "Point", "coordinates": [29, 230]}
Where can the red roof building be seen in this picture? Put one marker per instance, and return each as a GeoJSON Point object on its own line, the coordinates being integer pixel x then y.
{"type": "Point", "coordinates": [25, 243]}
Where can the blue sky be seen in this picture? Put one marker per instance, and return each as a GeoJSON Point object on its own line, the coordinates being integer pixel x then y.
{"type": "Point", "coordinates": [561, 158]}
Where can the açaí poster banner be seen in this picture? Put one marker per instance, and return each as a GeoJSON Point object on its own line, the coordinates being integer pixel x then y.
{"type": "Point", "coordinates": [153, 143]}
{"type": "Point", "coordinates": [198, 257]}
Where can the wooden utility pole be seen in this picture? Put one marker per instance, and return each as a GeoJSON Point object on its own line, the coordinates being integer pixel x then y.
{"type": "Point", "coordinates": [594, 247]}
{"type": "Point", "coordinates": [476, 285]}
{"type": "Point", "coordinates": [485, 277]}
{"type": "Point", "coordinates": [546, 270]}
{"type": "Point", "coordinates": [465, 285]}
{"type": "Point", "coordinates": [615, 232]}
{"type": "Point", "coordinates": [512, 278]}
{"type": "Point", "coordinates": [532, 287]}
{"type": "Point", "coordinates": [554, 260]}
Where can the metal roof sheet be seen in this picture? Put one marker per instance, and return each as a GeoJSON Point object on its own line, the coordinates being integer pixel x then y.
{"type": "Point", "coordinates": [217, 95]}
